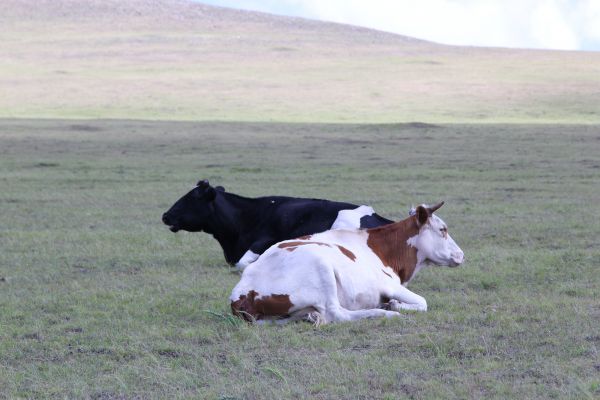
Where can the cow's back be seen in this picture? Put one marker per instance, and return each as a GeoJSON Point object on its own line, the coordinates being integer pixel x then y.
{"type": "Point", "coordinates": [288, 218]}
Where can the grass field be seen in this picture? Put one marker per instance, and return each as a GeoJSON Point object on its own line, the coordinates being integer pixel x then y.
{"type": "Point", "coordinates": [99, 300]}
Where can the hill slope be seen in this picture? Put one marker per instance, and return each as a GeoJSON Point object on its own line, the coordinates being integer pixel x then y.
{"type": "Point", "coordinates": [178, 60]}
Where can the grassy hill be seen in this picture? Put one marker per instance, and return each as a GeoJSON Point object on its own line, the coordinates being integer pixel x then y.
{"type": "Point", "coordinates": [178, 60]}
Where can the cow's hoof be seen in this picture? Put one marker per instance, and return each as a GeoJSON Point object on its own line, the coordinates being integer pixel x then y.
{"type": "Point", "coordinates": [315, 318]}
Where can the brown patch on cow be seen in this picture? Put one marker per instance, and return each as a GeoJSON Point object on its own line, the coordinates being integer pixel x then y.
{"type": "Point", "coordinates": [388, 242]}
{"type": "Point", "coordinates": [249, 308]}
{"type": "Point", "coordinates": [244, 306]}
{"type": "Point", "coordinates": [274, 305]}
{"type": "Point", "coordinates": [305, 237]}
{"type": "Point", "coordinates": [291, 246]}
{"type": "Point", "coordinates": [347, 252]}
{"type": "Point", "coordinates": [386, 273]}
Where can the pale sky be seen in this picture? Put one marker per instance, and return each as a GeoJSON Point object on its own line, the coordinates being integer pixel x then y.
{"type": "Point", "coordinates": [545, 24]}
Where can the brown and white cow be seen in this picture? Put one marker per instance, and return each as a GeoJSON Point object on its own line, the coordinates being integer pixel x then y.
{"type": "Point", "coordinates": [342, 275]}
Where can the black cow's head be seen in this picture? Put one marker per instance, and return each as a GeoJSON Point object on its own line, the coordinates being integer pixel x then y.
{"type": "Point", "coordinates": [192, 212]}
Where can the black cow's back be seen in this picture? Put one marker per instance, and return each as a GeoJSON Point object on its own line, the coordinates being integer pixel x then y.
{"type": "Point", "coordinates": [373, 221]}
{"type": "Point", "coordinates": [292, 217]}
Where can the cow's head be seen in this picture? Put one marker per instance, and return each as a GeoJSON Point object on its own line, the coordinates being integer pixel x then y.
{"type": "Point", "coordinates": [192, 211]}
{"type": "Point", "coordinates": [433, 242]}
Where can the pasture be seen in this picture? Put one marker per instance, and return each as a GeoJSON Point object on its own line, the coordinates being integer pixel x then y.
{"type": "Point", "coordinates": [99, 300]}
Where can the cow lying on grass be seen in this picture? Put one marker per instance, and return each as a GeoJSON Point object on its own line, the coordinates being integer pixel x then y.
{"type": "Point", "coordinates": [344, 275]}
{"type": "Point", "coordinates": [246, 227]}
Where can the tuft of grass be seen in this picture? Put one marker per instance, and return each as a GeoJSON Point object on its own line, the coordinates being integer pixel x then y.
{"type": "Point", "coordinates": [275, 372]}
{"type": "Point", "coordinates": [228, 319]}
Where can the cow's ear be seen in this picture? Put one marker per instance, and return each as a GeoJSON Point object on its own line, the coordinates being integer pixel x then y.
{"type": "Point", "coordinates": [210, 193]}
{"type": "Point", "coordinates": [203, 183]}
{"type": "Point", "coordinates": [422, 215]}
{"type": "Point", "coordinates": [220, 188]}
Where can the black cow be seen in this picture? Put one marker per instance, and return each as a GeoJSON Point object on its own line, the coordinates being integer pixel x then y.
{"type": "Point", "coordinates": [246, 227]}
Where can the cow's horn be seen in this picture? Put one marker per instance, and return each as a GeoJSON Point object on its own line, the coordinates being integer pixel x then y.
{"type": "Point", "coordinates": [434, 208]}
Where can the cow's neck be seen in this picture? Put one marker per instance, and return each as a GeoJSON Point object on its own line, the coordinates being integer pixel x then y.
{"type": "Point", "coordinates": [229, 217]}
{"type": "Point", "coordinates": [389, 243]}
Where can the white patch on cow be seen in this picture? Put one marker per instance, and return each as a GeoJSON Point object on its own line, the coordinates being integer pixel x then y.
{"type": "Point", "coordinates": [413, 241]}
{"type": "Point", "coordinates": [248, 258]}
{"type": "Point", "coordinates": [350, 219]}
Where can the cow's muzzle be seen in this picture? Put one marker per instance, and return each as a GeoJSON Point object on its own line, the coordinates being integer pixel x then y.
{"type": "Point", "coordinates": [171, 222]}
{"type": "Point", "coordinates": [457, 258]}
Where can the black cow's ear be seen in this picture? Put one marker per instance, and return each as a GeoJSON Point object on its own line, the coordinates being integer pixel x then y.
{"type": "Point", "coordinates": [203, 183]}
{"type": "Point", "coordinates": [210, 194]}
{"type": "Point", "coordinates": [220, 188]}
{"type": "Point", "coordinates": [422, 215]}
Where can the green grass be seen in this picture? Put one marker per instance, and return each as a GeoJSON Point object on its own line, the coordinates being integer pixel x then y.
{"type": "Point", "coordinates": [99, 300]}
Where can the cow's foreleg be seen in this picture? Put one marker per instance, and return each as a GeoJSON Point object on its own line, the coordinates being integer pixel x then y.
{"type": "Point", "coordinates": [403, 299]}
{"type": "Point", "coordinates": [248, 258]}
{"type": "Point", "coordinates": [342, 314]}
{"type": "Point", "coordinates": [254, 251]}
